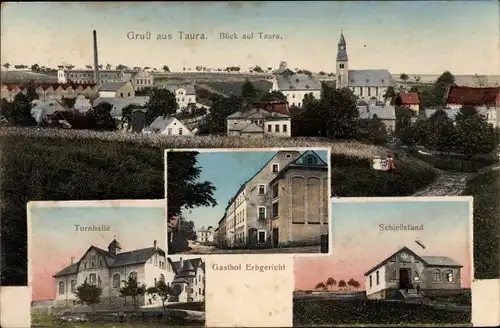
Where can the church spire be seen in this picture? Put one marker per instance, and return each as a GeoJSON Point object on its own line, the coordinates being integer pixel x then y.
{"type": "Point", "coordinates": [342, 49]}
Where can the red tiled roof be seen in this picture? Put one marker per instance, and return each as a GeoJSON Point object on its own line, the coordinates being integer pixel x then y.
{"type": "Point", "coordinates": [409, 99]}
{"type": "Point", "coordinates": [280, 107]}
{"type": "Point", "coordinates": [473, 96]}
{"type": "Point", "coordinates": [45, 86]}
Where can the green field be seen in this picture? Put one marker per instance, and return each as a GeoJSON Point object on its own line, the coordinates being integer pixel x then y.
{"type": "Point", "coordinates": [50, 321]}
{"type": "Point", "coordinates": [80, 165]}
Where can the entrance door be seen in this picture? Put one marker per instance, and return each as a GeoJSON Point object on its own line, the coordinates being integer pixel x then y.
{"type": "Point", "coordinates": [276, 237]}
{"type": "Point", "coordinates": [404, 278]}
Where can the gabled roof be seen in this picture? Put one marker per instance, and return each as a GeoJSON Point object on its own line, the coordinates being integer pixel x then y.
{"type": "Point", "coordinates": [302, 162]}
{"type": "Point", "coordinates": [252, 128]}
{"type": "Point", "coordinates": [139, 256]}
{"type": "Point", "coordinates": [279, 107]}
{"type": "Point", "coordinates": [45, 86]}
{"type": "Point", "coordinates": [441, 261]}
{"type": "Point", "coordinates": [256, 113]}
{"type": "Point", "coordinates": [188, 265]}
{"type": "Point", "coordinates": [370, 78]}
{"type": "Point", "coordinates": [473, 96]}
{"type": "Point", "coordinates": [407, 99]}
{"type": "Point", "coordinates": [160, 123]}
{"type": "Point", "coordinates": [112, 86]}
{"type": "Point", "coordinates": [120, 103]}
{"type": "Point", "coordinates": [302, 82]}
{"type": "Point", "coordinates": [382, 112]}
{"type": "Point", "coordinates": [190, 90]}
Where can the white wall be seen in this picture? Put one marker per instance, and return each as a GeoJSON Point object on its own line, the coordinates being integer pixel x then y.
{"type": "Point", "coordinates": [295, 97]}
{"type": "Point", "coordinates": [177, 129]}
{"type": "Point", "coordinates": [104, 94]}
{"type": "Point", "coordinates": [271, 125]}
{"type": "Point", "coordinates": [382, 281]}
{"type": "Point", "coordinates": [183, 99]}
{"type": "Point", "coordinates": [366, 93]}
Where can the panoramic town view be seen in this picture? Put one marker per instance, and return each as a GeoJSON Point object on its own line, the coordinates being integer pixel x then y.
{"type": "Point", "coordinates": [404, 95]}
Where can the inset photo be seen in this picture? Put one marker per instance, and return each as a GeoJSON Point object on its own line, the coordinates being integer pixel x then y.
{"type": "Point", "coordinates": [103, 263]}
{"type": "Point", "coordinates": [395, 261]}
{"type": "Point", "coordinates": [248, 201]}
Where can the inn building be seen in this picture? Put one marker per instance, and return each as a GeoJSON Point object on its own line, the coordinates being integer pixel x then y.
{"type": "Point", "coordinates": [285, 202]}
{"type": "Point", "coordinates": [436, 275]}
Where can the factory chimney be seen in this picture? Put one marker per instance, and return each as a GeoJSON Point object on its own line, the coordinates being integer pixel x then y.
{"type": "Point", "coordinates": [96, 61]}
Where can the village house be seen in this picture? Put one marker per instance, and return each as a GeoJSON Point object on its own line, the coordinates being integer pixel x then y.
{"type": "Point", "coordinates": [299, 201]}
{"type": "Point", "coordinates": [117, 90]}
{"type": "Point", "coordinates": [368, 84]}
{"type": "Point", "coordinates": [42, 111]}
{"type": "Point", "coordinates": [271, 119]}
{"type": "Point", "coordinates": [408, 100]}
{"type": "Point", "coordinates": [387, 114]}
{"type": "Point", "coordinates": [295, 86]}
{"type": "Point", "coordinates": [168, 126]}
{"type": "Point", "coordinates": [248, 221]}
{"type": "Point", "coordinates": [109, 269]}
{"type": "Point", "coordinates": [205, 235]}
{"type": "Point", "coordinates": [140, 78]}
{"type": "Point", "coordinates": [185, 95]}
{"type": "Point", "coordinates": [485, 100]}
{"type": "Point", "coordinates": [189, 280]}
{"type": "Point", "coordinates": [82, 104]}
{"type": "Point", "coordinates": [120, 103]}
{"type": "Point", "coordinates": [436, 275]}
{"type": "Point", "coordinates": [46, 91]}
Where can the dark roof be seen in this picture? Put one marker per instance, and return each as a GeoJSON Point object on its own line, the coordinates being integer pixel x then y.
{"type": "Point", "coordinates": [111, 86]}
{"type": "Point", "coordinates": [473, 96]}
{"type": "Point", "coordinates": [441, 261]}
{"type": "Point", "coordinates": [114, 244]}
{"type": "Point", "coordinates": [138, 256]}
{"type": "Point", "coordinates": [188, 267]}
{"type": "Point", "coordinates": [301, 163]}
{"type": "Point", "coordinates": [280, 107]}
{"type": "Point", "coordinates": [45, 86]}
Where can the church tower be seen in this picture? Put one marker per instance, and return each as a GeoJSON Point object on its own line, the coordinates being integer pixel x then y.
{"type": "Point", "coordinates": [342, 71]}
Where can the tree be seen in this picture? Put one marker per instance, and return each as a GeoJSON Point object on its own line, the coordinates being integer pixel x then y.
{"type": "Point", "coordinates": [35, 68]}
{"type": "Point", "coordinates": [417, 78]}
{"type": "Point", "coordinates": [342, 284]}
{"type": "Point", "coordinates": [248, 92]}
{"type": "Point", "coordinates": [100, 66]}
{"type": "Point", "coordinates": [373, 131]}
{"type": "Point", "coordinates": [88, 66]}
{"type": "Point", "coordinates": [161, 102]}
{"type": "Point", "coordinates": [331, 282]}
{"type": "Point", "coordinates": [258, 69]}
{"type": "Point", "coordinates": [70, 67]}
{"type": "Point", "coordinates": [215, 123]}
{"type": "Point", "coordinates": [440, 131]}
{"type": "Point", "coordinates": [162, 291]}
{"type": "Point", "coordinates": [6, 65]}
{"type": "Point", "coordinates": [121, 67]}
{"type": "Point", "coordinates": [404, 77]}
{"type": "Point", "coordinates": [403, 120]}
{"type": "Point", "coordinates": [165, 68]}
{"type": "Point", "coordinates": [103, 120]}
{"type": "Point", "coordinates": [273, 96]}
{"type": "Point", "coordinates": [127, 112]}
{"type": "Point", "coordinates": [322, 73]}
{"type": "Point", "coordinates": [31, 92]}
{"type": "Point", "coordinates": [474, 134]}
{"type": "Point", "coordinates": [320, 285]}
{"type": "Point", "coordinates": [68, 102]}
{"type": "Point", "coordinates": [133, 289]}
{"type": "Point", "coordinates": [353, 283]}
{"type": "Point", "coordinates": [89, 294]}
{"type": "Point", "coordinates": [108, 66]}
{"type": "Point", "coordinates": [443, 82]}
{"type": "Point", "coordinates": [389, 94]}
{"type": "Point", "coordinates": [60, 66]}
{"type": "Point", "coordinates": [19, 111]}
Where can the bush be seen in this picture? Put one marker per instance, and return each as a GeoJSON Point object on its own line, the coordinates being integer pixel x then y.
{"type": "Point", "coordinates": [456, 163]}
{"type": "Point", "coordinates": [486, 191]}
{"type": "Point", "coordinates": [192, 306]}
{"type": "Point", "coordinates": [317, 312]}
{"type": "Point", "coordinates": [53, 164]}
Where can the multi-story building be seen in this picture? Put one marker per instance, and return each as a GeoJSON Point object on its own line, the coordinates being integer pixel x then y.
{"type": "Point", "coordinates": [205, 235]}
{"type": "Point", "coordinates": [257, 122]}
{"type": "Point", "coordinates": [87, 76]}
{"type": "Point", "coordinates": [366, 84]}
{"type": "Point", "coordinates": [189, 280]}
{"type": "Point", "coordinates": [185, 94]}
{"type": "Point", "coordinates": [248, 219]}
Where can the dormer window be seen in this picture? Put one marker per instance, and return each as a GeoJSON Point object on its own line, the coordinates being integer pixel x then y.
{"type": "Point", "coordinates": [367, 80]}
{"type": "Point", "coordinates": [307, 86]}
{"type": "Point", "coordinates": [382, 80]}
{"type": "Point", "coordinates": [311, 160]}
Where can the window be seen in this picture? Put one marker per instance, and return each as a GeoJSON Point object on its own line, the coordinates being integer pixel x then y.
{"type": "Point", "coordinates": [169, 131]}
{"type": "Point", "coordinates": [121, 94]}
{"type": "Point", "coordinates": [199, 291]}
{"type": "Point", "coordinates": [311, 160]}
{"type": "Point", "coordinates": [73, 286]}
{"type": "Point", "coordinates": [277, 128]}
{"type": "Point", "coordinates": [180, 131]}
{"type": "Point", "coordinates": [262, 189]}
{"type": "Point", "coordinates": [262, 236]}
{"type": "Point", "coordinates": [116, 280]}
{"type": "Point", "coordinates": [360, 91]}
{"type": "Point", "coordinates": [61, 287]}
{"type": "Point", "coordinates": [182, 98]}
{"type": "Point", "coordinates": [275, 190]}
{"type": "Point", "coordinates": [369, 91]}
{"type": "Point", "coordinates": [191, 290]}
{"type": "Point", "coordinates": [275, 210]}
{"type": "Point", "coordinates": [99, 282]}
{"type": "Point", "coordinates": [394, 275]}
{"type": "Point", "coordinates": [85, 265]}
{"type": "Point", "coordinates": [92, 278]}
{"type": "Point", "coordinates": [284, 128]}
{"type": "Point", "coordinates": [376, 91]}
{"type": "Point", "coordinates": [341, 66]}
{"type": "Point", "coordinates": [370, 281]}
{"type": "Point", "coordinates": [269, 128]}
{"type": "Point", "coordinates": [378, 278]}
{"type": "Point", "coordinates": [133, 275]}
{"type": "Point", "coordinates": [92, 264]}
{"type": "Point", "coordinates": [155, 282]}
{"type": "Point", "coordinates": [275, 168]}
{"type": "Point", "coordinates": [262, 213]}
{"type": "Point", "coordinates": [449, 276]}
{"type": "Point", "coordinates": [436, 276]}
{"type": "Point", "coordinates": [100, 263]}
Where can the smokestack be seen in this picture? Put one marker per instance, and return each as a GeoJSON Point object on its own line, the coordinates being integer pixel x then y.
{"type": "Point", "coordinates": [96, 61]}
{"type": "Point", "coordinates": [72, 259]}
{"type": "Point", "coordinates": [154, 245]}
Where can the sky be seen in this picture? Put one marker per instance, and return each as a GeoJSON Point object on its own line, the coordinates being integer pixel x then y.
{"type": "Point", "coordinates": [420, 37]}
{"type": "Point", "coordinates": [227, 171]}
{"type": "Point", "coordinates": [358, 245]}
{"type": "Point", "coordinates": [54, 238]}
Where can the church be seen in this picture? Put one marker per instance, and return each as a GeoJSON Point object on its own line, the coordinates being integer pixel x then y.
{"type": "Point", "coordinates": [368, 85]}
{"type": "Point", "coordinates": [398, 276]}
{"type": "Point", "coordinates": [108, 269]}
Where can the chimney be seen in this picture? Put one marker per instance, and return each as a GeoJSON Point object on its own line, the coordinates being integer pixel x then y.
{"type": "Point", "coordinates": [72, 258]}
{"type": "Point", "coordinates": [154, 245]}
{"type": "Point", "coordinates": [96, 61]}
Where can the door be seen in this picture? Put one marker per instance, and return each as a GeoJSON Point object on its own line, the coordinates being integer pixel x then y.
{"type": "Point", "coordinates": [276, 237]}
{"type": "Point", "coordinates": [404, 278]}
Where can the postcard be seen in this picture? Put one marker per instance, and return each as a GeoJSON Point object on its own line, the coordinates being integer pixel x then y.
{"type": "Point", "coordinates": [255, 201]}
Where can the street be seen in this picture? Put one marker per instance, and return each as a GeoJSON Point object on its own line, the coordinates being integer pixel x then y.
{"type": "Point", "coordinates": [202, 249]}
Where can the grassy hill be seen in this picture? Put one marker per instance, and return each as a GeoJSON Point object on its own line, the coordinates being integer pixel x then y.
{"type": "Point", "coordinates": [81, 165]}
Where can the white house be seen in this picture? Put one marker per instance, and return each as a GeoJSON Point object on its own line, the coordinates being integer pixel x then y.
{"type": "Point", "coordinates": [42, 110]}
{"type": "Point", "coordinates": [189, 279]}
{"type": "Point", "coordinates": [185, 94]}
{"type": "Point", "coordinates": [169, 126]}
{"type": "Point", "coordinates": [367, 84]}
{"type": "Point", "coordinates": [205, 235]}
{"type": "Point", "coordinates": [387, 114]}
{"type": "Point", "coordinates": [82, 103]}
{"type": "Point", "coordinates": [140, 78]}
{"type": "Point", "coordinates": [109, 268]}
{"type": "Point", "coordinates": [258, 123]}
{"type": "Point", "coordinates": [295, 86]}
{"type": "Point", "coordinates": [116, 89]}
{"type": "Point", "coordinates": [435, 275]}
